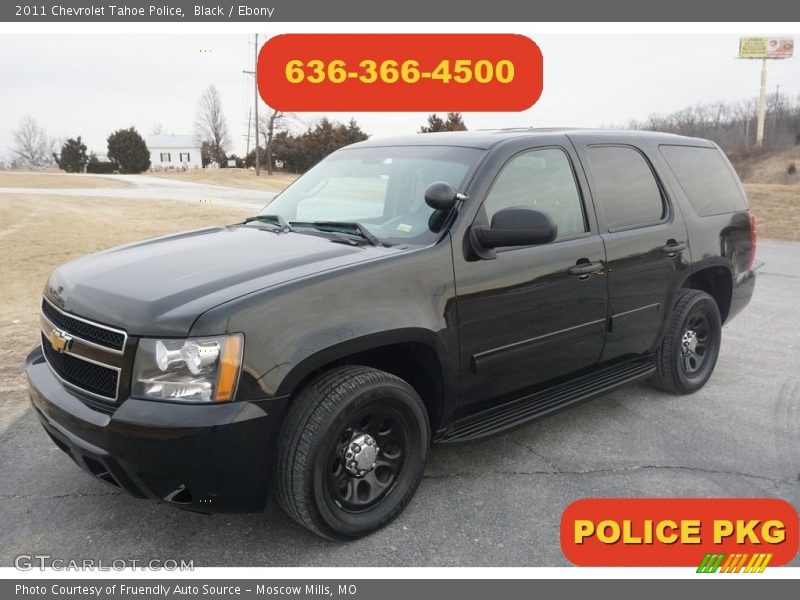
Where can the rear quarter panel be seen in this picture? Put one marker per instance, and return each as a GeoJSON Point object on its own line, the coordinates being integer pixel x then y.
{"type": "Point", "coordinates": [716, 240]}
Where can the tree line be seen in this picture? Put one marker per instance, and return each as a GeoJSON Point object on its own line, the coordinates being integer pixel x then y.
{"type": "Point", "coordinates": [127, 150]}
{"type": "Point", "coordinates": [34, 149]}
{"type": "Point", "coordinates": [732, 125]}
{"type": "Point", "coordinates": [296, 153]}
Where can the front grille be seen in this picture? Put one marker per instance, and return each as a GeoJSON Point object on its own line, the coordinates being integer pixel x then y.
{"type": "Point", "coordinates": [102, 336]}
{"type": "Point", "coordinates": [95, 379]}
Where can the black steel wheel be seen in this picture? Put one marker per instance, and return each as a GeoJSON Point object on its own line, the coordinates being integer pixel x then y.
{"type": "Point", "coordinates": [695, 343]}
{"type": "Point", "coordinates": [367, 457]}
{"type": "Point", "coordinates": [688, 352]}
{"type": "Point", "coordinates": [351, 452]}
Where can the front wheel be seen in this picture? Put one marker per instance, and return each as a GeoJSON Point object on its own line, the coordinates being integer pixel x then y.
{"type": "Point", "coordinates": [352, 452]}
{"type": "Point", "coordinates": [688, 353]}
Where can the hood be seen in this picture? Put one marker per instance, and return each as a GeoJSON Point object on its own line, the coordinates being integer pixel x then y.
{"type": "Point", "coordinates": [160, 286]}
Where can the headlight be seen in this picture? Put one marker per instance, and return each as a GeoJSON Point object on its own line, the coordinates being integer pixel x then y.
{"type": "Point", "coordinates": [191, 370]}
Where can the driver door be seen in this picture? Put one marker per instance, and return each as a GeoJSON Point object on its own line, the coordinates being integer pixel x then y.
{"type": "Point", "coordinates": [528, 317]}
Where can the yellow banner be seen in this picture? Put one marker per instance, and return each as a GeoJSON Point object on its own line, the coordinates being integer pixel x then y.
{"type": "Point", "coordinates": [765, 47]}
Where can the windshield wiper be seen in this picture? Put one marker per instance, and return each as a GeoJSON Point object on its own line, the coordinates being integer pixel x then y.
{"type": "Point", "coordinates": [348, 227]}
{"type": "Point", "coordinates": [278, 220]}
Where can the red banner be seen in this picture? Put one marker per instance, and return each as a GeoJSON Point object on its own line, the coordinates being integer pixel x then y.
{"type": "Point", "coordinates": [400, 72]}
{"type": "Point", "coordinates": [676, 531]}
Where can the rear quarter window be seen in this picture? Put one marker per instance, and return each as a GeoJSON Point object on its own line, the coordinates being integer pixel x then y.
{"type": "Point", "coordinates": [626, 187]}
{"type": "Point", "coordinates": [706, 179]}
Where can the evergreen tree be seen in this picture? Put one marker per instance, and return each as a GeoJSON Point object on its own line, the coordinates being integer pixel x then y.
{"type": "Point", "coordinates": [73, 157]}
{"type": "Point", "coordinates": [128, 151]}
{"type": "Point", "coordinates": [454, 122]}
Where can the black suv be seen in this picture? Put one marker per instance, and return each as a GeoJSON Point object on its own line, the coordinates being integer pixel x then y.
{"type": "Point", "coordinates": [432, 288]}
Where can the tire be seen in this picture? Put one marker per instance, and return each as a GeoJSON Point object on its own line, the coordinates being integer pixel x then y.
{"type": "Point", "coordinates": [684, 362]}
{"type": "Point", "coordinates": [317, 484]}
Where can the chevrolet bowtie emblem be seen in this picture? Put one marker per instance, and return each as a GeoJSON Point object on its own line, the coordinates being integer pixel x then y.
{"type": "Point", "coordinates": [59, 340]}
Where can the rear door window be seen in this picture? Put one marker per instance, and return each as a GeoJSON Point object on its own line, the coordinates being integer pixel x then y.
{"type": "Point", "coordinates": [626, 187]}
{"type": "Point", "coordinates": [705, 177]}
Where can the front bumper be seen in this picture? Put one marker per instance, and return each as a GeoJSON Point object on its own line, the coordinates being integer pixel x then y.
{"type": "Point", "coordinates": [206, 458]}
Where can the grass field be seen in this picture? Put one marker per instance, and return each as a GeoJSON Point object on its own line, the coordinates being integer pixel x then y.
{"type": "Point", "coordinates": [776, 209]}
{"type": "Point", "coordinates": [243, 178]}
{"type": "Point", "coordinates": [26, 179]}
{"type": "Point", "coordinates": [772, 167]}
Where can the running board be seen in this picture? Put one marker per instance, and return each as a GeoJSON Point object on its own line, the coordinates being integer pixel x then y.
{"type": "Point", "coordinates": [528, 408]}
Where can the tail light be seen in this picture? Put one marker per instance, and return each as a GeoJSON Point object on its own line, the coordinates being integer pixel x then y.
{"type": "Point", "coordinates": [753, 239]}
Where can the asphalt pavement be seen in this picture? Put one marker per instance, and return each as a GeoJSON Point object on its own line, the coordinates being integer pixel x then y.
{"type": "Point", "coordinates": [494, 503]}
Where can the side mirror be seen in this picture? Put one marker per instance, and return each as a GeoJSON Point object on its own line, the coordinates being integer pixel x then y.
{"type": "Point", "coordinates": [440, 195]}
{"type": "Point", "coordinates": [515, 227]}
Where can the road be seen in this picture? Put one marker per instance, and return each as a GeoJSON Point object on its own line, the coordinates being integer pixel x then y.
{"type": "Point", "coordinates": [155, 188]}
{"type": "Point", "coordinates": [495, 503]}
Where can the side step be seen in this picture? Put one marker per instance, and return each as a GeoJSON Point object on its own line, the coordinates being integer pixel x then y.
{"type": "Point", "coordinates": [528, 408]}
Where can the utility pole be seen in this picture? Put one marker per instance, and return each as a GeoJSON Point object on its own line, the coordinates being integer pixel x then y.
{"type": "Point", "coordinates": [249, 119]}
{"type": "Point", "coordinates": [764, 48]}
{"type": "Point", "coordinates": [747, 132]}
{"type": "Point", "coordinates": [762, 105]}
{"type": "Point", "coordinates": [255, 89]}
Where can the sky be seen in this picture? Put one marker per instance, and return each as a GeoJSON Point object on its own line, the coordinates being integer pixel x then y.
{"type": "Point", "coordinates": [93, 84]}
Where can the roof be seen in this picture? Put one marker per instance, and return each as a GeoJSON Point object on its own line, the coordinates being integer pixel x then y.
{"type": "Point", "coordinates": [172, 141]}
{"type": "Point", "coordinates": [485, 139]}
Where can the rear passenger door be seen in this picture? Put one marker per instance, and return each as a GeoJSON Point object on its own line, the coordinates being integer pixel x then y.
{"type": "Point", "coordinates": [645, 241]}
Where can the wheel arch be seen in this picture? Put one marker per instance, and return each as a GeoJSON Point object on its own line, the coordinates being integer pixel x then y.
{"type": "Point", "coordinates": [414, 355]}
{"type": "Point", "coordinates": [716, 280]}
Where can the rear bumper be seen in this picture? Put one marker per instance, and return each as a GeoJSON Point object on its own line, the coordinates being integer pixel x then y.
{"type": "Point", "coordinates": [743, 288]}
{"type": "Point", "coordinates": [207, 458]}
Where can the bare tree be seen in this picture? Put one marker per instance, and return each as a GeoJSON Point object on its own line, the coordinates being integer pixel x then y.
{"type": "Point", "coordinates": [273, 122]}
{"type": "Point", "coordinates": [32, 148]}
{"type": "Point", "coordinates": [158, 128]}
{"type": "Point", "coordinates": [211, 126]}
{"type": "Point", "coordinates": [732, 125]}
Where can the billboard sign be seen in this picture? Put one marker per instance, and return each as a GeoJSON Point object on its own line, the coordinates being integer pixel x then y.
{"type": "Point", "coordinates": [766, 47]}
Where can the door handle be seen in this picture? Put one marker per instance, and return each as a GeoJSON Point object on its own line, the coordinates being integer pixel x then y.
{"type": "Point", "coordinates": [672, 248]}
{"type": "Point", "coordinates": [584, 270]}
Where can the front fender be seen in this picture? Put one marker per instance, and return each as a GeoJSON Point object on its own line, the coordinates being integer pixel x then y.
{"type": "Point", "coordinates": [287, 377]}
{"type": "Point", "coordinates": [297, 327]}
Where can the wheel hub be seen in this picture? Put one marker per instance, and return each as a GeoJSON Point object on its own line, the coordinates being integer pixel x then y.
{"type": "Point", "coordinates": [689, 342]}
{"type": "Point", "coordinates": [360, 454]}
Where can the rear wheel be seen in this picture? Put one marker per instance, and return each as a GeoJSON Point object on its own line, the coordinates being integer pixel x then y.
{"type": "Point", "coordinates": [688, 353]}
{"type": "Point", "coordinates": [351, 452]}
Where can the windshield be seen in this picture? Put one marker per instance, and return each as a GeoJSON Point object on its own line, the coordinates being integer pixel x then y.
{"type": "Point", "coordinates": [380, 188]}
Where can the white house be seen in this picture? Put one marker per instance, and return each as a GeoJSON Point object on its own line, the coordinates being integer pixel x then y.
{"type": "Point", "coordinates": [174, 152]}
